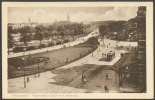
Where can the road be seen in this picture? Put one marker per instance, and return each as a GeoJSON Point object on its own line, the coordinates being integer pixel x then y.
{"type": "Point", "coordinates": [45, 83]}
{"type": "Point", "coordinates": [76, 42]}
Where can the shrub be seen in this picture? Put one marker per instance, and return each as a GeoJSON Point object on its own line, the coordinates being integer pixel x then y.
{"type": "Point", "coordinates": [18, 49]}
{"type": "Point", "coordinates": [66, 41]}
{"type": "Point", "coordinates": [30, 48]}
{"type": "Point", "coordinates": [51, 44]}
{"type": "Point", "coordinates": [17, 61]}
{"type": "Point", "coordinates": [36, 47]}
{"type": "Point", "coordinates": [42, 46]}
{"type": "Point", "coordinates": [93, 41]}
{"type": "Point", "coordinates": [58, 42]}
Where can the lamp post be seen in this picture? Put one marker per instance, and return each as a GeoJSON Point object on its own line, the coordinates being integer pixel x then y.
{"type": "Point", "coordinates": [24, 68]}
{"type": "Point", "coordinates": [38, 68]}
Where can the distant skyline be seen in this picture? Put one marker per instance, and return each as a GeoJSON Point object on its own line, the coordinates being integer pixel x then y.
{"type": "Point", "coordinates": [76, 14]}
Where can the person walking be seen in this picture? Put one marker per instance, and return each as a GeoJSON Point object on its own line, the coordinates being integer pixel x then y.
{"type": "Point", "coordinates": [82, 78]}
{"type": "Point", "coordinates": [85, 78]}
{"type": "Point", "coordinates": [107, 78]}
{"type": "Point", "coordinates": [28, 80]}
{"type": "Point", "coordinates": [102, 54]}
{"type": "Point", "coordinates": [106, 88]}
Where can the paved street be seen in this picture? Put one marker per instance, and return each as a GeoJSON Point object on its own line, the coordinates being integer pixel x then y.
{"type": "Point", "coordinates": [44, 83]}
{"type": "Point", "coordinates": [97, 54]}
{"type": "Point", "coordinates": [76, 42]}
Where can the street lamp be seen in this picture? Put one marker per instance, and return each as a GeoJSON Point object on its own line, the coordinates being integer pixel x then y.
{"type": "Point", "coordinates": [38, 67]}
{"type": "Point", "coordinates": [24, 67]}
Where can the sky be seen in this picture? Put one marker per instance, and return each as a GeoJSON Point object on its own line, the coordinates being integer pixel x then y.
{"type": "Point", "coordinates": [76, 14]}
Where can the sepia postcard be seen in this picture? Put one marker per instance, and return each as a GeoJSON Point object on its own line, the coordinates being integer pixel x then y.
{"type": "Point", "coordinates": [77, 50]}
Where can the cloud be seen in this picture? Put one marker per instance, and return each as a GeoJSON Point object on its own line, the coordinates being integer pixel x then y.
{"type": "Point", "coordinates": [118, 13]}
{"type": "Point", "coordinates": [82, 16]}
{"type": "Point", "coordinates": [121, 13]}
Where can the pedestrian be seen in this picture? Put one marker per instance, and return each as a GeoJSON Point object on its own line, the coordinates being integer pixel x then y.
{"type": "Point", "coordinates": [28, 79]}
{"type": "Point", "coordinates": [85, 78]}
{"type": "Point", "coordinates": [67, 59]}
{"type": "Point", "coordinates": [105, 54]}
{"type": "Point", "coordinates": [121, 46]}
{"type": "Point", "coordinates": [82, 78]}
{"type": "Point", "coordinates": [107, 46]}
{"type": "Point", "coordinates": [106, 88]}
{"type": "Point", "coordinates": [135, 48]}
{"type": "Point", "coordinates": [102, 54]}
{"type": "Point", "coordinates": [107, 78]}
{"type": "Point", "coordinates": [109, 43]}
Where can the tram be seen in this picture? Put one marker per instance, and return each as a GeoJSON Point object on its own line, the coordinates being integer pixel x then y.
{"type": "Point", "coordinates": [110, 56]}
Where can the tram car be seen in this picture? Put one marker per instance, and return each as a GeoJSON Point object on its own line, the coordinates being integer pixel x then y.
{"type": "Point", "coordinates": [110, 56]}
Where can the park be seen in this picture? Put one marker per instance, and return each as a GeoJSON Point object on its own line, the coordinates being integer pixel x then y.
{"type": "Point", "coordinates": [77, 57]}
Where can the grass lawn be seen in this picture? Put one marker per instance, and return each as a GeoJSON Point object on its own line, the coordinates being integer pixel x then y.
{"type": "Point", "coordinates": [57, 58]}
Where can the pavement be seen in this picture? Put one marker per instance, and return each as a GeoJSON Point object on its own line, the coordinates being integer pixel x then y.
{"type": "Point", "coordinates": [44, 83]}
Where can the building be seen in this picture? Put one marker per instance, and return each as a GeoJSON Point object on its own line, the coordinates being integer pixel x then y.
{"type": "Point", "coordinates": [20, 25]}
{"type": "Point", "coordinates": [134, 71]}
{"type": "Point", "coordinates": [141, 29]}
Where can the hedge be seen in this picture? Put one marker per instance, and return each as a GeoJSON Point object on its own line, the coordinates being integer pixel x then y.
{"type": "Point", "coordinates": [51, 44]}
{"type": "Point", "coordinates": [66, 41]}
{"type": "Point", "coordinates": [30, 48]}
{"type": "Point", "coordinates": [58, 42]}
{"type": "Point", "coordinates": [42, 46]}
{"type": "Point", "coordinates": [18, 49]}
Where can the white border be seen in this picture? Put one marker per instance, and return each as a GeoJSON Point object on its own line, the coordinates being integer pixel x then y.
{"type": "Point", "coordinates": [149, 43]}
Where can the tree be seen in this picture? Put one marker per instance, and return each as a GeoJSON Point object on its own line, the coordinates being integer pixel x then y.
{"type": "Point", "coordinates": [25, 38]}
{"type": "Point", "coordinates": [116, 26]}
{"type": "Point", "coordinates": [103, 29]}
{"type": "Point", "coordinates": [10, 38]}
{"type": "Point", "coordinates": [46, 34]}
{"type": "Point", "coordinates": [60, 31]}
{"type": "Point", "coordinates": [39, 32]}
{"type": "Point", "coordinates": [50, 30]}
{"type": "Point", "coordinates": [25, 31]}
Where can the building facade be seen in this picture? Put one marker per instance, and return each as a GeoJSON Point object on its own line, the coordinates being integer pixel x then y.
{"type": "Point", "coordinates": [141, 29]}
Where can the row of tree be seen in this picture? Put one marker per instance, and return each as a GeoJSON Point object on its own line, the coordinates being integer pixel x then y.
{"type": "Point", "coordinates": [41, 32]}
{"type": "Point", "coordinates": [120, 27]}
